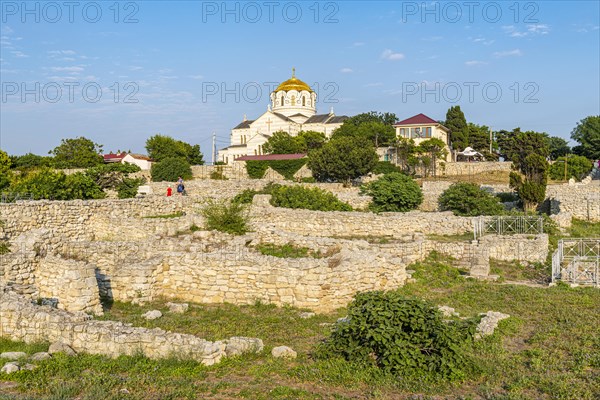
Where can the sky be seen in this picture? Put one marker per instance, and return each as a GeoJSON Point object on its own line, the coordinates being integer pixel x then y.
{"type": "Point", "coordinates": [118, 72]}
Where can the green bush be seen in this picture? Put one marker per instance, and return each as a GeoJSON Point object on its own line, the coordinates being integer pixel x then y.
{"type": "Point", "coordinates": [111, 176]}
{"type": "Point", "coordinates": [342, 159]}
{"type": "Point", "coordinates": [170, 169]}
{"type": "Point", "coordinates": [577, 167]}
{"type": "Point", "coordinates": [230, 218]}
{"type": "Point", "coordinates": [129, 187]}
{"type": "Point", "coordinates": [468, 199]}
{"type": "Point", "coordinates": [385, 167]}
{"type": "Point", "coordinates": [507, 197]}
{"type": "Point", "coordinates": [46, 183]}
{"type": "Point", "coordinates": [393, 192]}
{"type": "Point", "coordinates": [245, 197]}
{"type": "Point", "coordinates": [402, 336]}
{"type": "Point", "coordinates": [256, 169]}
{"type": "Point", "coordinates": [306, 198]}
{"type": "Point", "coordinates": [287, 168]}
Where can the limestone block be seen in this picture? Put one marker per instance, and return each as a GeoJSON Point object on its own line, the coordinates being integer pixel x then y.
{"type": "Point", "coordinates": [283, 352]}
{"type": "Point", "coordinates": [489, 323]}
{"type": "Point", "coordinates": [13, 355]}
{"type": "Point", "coordinates": [10, 367]}
{"type": "Point", "coordinates": [178, 308]}
{"type": "Point", "coordinates": [60, 347]}
{"type": "Point", "coordinates": [153, 314]}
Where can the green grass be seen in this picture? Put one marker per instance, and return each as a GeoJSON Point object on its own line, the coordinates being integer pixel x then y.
{"type": "Point", "coordinates": [584, 229]}
{"type": "Point", "coordinates": [463, 237]}
{"type": "Point", "coordinates": [4, 247]}
{"type": "Point", "coordinates": [173, 215]}
{"type": "Point", "coordinates": [289, 250]}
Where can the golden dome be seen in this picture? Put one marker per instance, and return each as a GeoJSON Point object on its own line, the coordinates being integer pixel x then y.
{"type": "Point", "coordinates": [293, 84]}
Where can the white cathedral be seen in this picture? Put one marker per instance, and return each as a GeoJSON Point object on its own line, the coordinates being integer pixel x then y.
{"type": "Point", "coordinates": [292, 109]}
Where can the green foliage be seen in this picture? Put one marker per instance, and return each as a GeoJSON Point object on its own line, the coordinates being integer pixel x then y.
{"type": "Point", "coordinates": [557, 147]}
{"type": "Point", "coordinates": [31, 160]}
{"type": "Point", "coordinates": [287, 168]}
{"type": "Point", "coordinates": [287, 250]}
{"type": "Point", "coordinates": [507, 197]}
{"type": "Point", "coordinates": [401, 335]}
{"type": "Point", "coordinates": [310, 140]}
{"type": "Point", "coordinates": [5, 164]}
{"type": "Point", "coordinates": [343, 159]}
{"type": "Point", "coordinates": [385, 118]}
{"type": "Point", "coordinates": [256, 169]}
{"type": "Point", "coordinates": [129, 187]}
{"type": "Point", "coordinates": [307, 198]}
{"type": "Point", "coordinates": [282, 143]}
{"type": "Point", "coordinates": [161, 147]}
{"type": "Point", "coordinates": [435, 149]}
{"type": "Point", "coordinates": [394, 192]}
{"type": "Point", "coordinates": [77, 153]}
{"type": "Point", "coordinates": [46, 183]}
{"type": "Point", "coordinates": [469, 199]}
{"type": "Point", "coordinates": [229, 218]}
{"type": "Point", "coordinates": [457, 123]}
{"type": "Point", "coordinates": [376, 132]}
{"type": "Point", "coordinates": [587, 133]}
{"type": "Point", "coordinates": [385, 167]}
{"type": "Point", "coordinates": [170, 169]}
{"type": "Point", "coordinates": [577, 167]}
{"type": "Point", "coordinates": [245, 197]}
{"type": "Point", "coordinates": [111, 176]}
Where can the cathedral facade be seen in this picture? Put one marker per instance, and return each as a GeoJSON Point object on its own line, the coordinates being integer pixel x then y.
{"type": "Point", "coordinates": [292, 109]}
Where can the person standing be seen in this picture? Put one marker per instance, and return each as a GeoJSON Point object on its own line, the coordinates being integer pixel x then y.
{"type": "Point", "coordinates": [169, 191]}
{"type": "Point", "coordinates": [180, 186]}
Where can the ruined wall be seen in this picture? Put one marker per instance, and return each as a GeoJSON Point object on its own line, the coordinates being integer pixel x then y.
{"type": "Point", "coordinates": [581, 200]}
{"type": "Point", "coordinates": [472, 168]}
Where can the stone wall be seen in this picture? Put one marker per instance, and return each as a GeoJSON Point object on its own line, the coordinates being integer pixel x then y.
{"type": "Point", "coordinates": [472, 168]}
{"type": "Point", "coordinates": [21, 320]}
{"type": "Point", "coordinates": [581, 200]}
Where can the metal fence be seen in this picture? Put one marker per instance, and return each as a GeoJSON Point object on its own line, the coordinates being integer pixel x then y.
{"type": "Point", "coordinates": [507, 225]}
{"type": "Point", "coordinates": [577, 261]}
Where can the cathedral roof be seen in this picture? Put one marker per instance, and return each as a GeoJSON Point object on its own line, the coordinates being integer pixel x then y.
{"type": "Point", "coordinates": [244, 125]}
{"type": "Point", "coordinates": [283, 117]}
{"type": "Point", "coordinates": [325, 119]}
{"type": "Point", "coordinates": [293, 84]}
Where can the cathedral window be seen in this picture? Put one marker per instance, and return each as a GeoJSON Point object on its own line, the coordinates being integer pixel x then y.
{"type": "Point", "coordinates": [281, 101]}
{"type": "Point", "coordinates": [303, 101]}
{"type": "Point", "coordinates": [293, 100]}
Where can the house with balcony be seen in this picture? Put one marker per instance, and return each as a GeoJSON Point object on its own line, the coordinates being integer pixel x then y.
{"type": "Point", "coordinates": [420, 128]}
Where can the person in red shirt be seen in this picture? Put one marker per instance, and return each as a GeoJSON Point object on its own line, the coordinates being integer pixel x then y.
{"type": "Point", "coordinates": [169, 191]}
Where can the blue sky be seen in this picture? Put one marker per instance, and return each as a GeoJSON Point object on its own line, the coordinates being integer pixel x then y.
{"type": "Point", "coordinates": [129, 70]}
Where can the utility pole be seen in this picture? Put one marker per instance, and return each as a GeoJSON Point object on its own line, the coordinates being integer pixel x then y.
{"type": "Point", "coordinates": [214, 148]}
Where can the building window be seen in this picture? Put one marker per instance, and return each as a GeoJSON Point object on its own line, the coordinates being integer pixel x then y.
{"type": "Point", "coordinates": [281, 101]}
{"type": "Point", "coordinates": [420, 132]}
{"type": "Point", "coordinates": [403, 133]}
{"type": "Point", "coordinates": [293, 100]}
{"type": "Point", "coordinates": [303, 101]}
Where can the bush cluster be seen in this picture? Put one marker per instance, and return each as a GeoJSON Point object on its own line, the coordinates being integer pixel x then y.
{"type": "Point", "coordinates": [393, 192]}
{"type": "Point", "coordinates": [170, 169]}
{"type": "Point", "coordinates": [577, 167]}
{"type": "Point", "coordinates": [306, 198]}
{"type": "Point", "coordinates": [385, 167]}
{"type": "Point", "coordinates": [468, 199]}
{"type": "Point", "coordinates": [287, 168]}
{"type": "Point", "coordinates": [401, 335]}
{"type": "Point", "coordinates": [226, 217]}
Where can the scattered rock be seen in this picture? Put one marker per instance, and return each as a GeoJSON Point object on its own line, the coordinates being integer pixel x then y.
{"type": "Point", "coordinates": [13, 355]}
{"type": "Point", "coordinates": [489, 323]}
{"type": "Point", "coordinates": [448, 312]}
{"type": "Point", "coordinates": [154, 314]}
{"type": "Point", "coordinates": [124, 391]}
{"type": "Point", "coordinates": [29, 367]}
{"type": "Point", "coordinates": [40, 356]}
{"type": "Point", "coordinates": [325, 324]}
{"type": "Point", "coordinates": [283, 352]}
{"type": "Point", "coordinates": [239, 345]}
{"type": "Point", "coordinates": [178, 308]}
{"type": "Point", "coordinates": [306, 315]}
{"type": "Point", "coordinates": [10, 367]}
{"type": "Point", "coordinates": [60, 347]}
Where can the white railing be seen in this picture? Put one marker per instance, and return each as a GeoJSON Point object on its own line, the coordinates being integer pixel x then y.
{"type": "Point", "coordinates": [507, 225]}
{"type": "Point", "coordinates": [577, 261]}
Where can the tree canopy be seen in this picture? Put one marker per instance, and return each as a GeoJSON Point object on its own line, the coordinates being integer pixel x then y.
{"type": "Point", "coordinates": [587, 133]}
{"type": "Point", "coordinates": [375, 127]}
{"type": "Point", "coordinates": [160, 147]}
{"type": "Point", "coordinates": [77, 153]}
{"type": "Point", "coordinates": [457, 123]}
{"type": "Point", "coordinates": [342, 160]}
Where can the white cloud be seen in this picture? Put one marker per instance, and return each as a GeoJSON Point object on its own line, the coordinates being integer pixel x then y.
{"type": "Point", "coordinates": [72, 70]}
{"type": "Point", "coordinates": [390, 55]}
{"type": "Point", "coordinates": [346, 70]}
{"type": "Point", "coordinates": [374, 84]}
{"type": "Point", "coordinates": [508, 53]}
{"type": "Point", "coordinates": [6, 30]}
{"type": "Point", "coordinates": [474, 63]}
{"type": "Point", "coordinates": [196, 77]}
{"type": "Point", "coordinates": [19, 54]}
{"type": "Point", "coordinates": [62, 52]}
{"type": "Point", "coordinates": [358, 44]}
{"type": "Point", "coordinates": [541, 29]}
{"type": "Point", "coordinates": [532, 30]}
{"type": "Point", "coordinates": [135, 68]}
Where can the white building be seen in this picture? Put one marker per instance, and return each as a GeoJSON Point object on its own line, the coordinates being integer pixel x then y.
{"type": "Point", "coordinates": [142, 161]}
{"type": "Point", "coordinates": [420, 128]}
{"type": "Point", "coordinates": [292, 109]}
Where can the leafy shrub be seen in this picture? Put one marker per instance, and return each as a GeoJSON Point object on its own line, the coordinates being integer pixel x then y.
{"type": "Point", "coordinates": [170, 169]}
{"type": "Point", "coordinates": [287, 250]}
{"type": "Point", "coordinates": [4, 247]}
{"type": "Point", "coordinates": [111, 176]}
{"type": "Point", "coordinates": [256, 169]}
{"type": "Point", "coordinates": [308, 179]}
{"type": "Point", "coordinates": [400, 335]}
{"type": "Point", "coordinates": [245, 197]}
{"type": "Point", "coordinates": [393, 192]}
{"type": "Point", "coordinates": [577, 167]}
{"type": "Point", "coordinates": [49, 184]}
{"type": "Point", "coordinates": [385, 167]}
{"type": "Point", "coordinates": [230, 218]}
{"type": "Point", "coordinates": [129, 187]}
{"type": "Point", "coordinates": [465, 198]}
{"type": "Point", "coordinates": [306, 198]}
{"type": "Point", "coordinates": [507, 197]}
{"type": "Point", "coordinates": [218, 174]}
{"type": "Point", "coordinates": [287, 168]}
{"type": "Point", "coordinates": [342, 159]}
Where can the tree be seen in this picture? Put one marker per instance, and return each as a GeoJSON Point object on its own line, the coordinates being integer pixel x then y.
{"type": "Point", "coordinates": [342, 159]}
{"type": "Point", "coordinates": [161, 147]}
{"type": "Point", "coordinates": [394, 192]}
{"type": "Point", "coordinates": [435, 150]}
{"type": "Point", "coordinates": [5, 164]}
{"type": "Point", "coordinates": [557, 147]}
{"type": "Point", "coordinates": [457, 123]}
{"type": "Point", "coordinates": [404, 149]}
{"type": "Point", "coordinates": [587, 133]}
{"type": "Point", "coordinates": [282, 143]}
{"type": "Point", "coordinates": [311, 140]}
{"type": "Point", "coordinates": [530, 175]}
{"type": "Point", "coordinates": [31, 160]}
{"type": "Point", "coordinates": [170, 169]}
{"type": "Point", "coordinates": [385, 118]}
{"type": "Point", "coordinates": [576, 167]}
{"type": "Point", "coordinates": [377, 132]}
{"type": "Point", "coordinates": [468, 199]}
{"type": "Point", "coordinates": [46, 183]}
{"type": "Point", "coordinates": [77, 153]}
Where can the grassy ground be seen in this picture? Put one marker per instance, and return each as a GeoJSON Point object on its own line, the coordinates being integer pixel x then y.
{"type": "Point", "coordinates": [548, 349]}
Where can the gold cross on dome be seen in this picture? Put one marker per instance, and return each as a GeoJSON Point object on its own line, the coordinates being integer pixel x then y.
{"type": "Point", "coordinates": [293, 72]}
